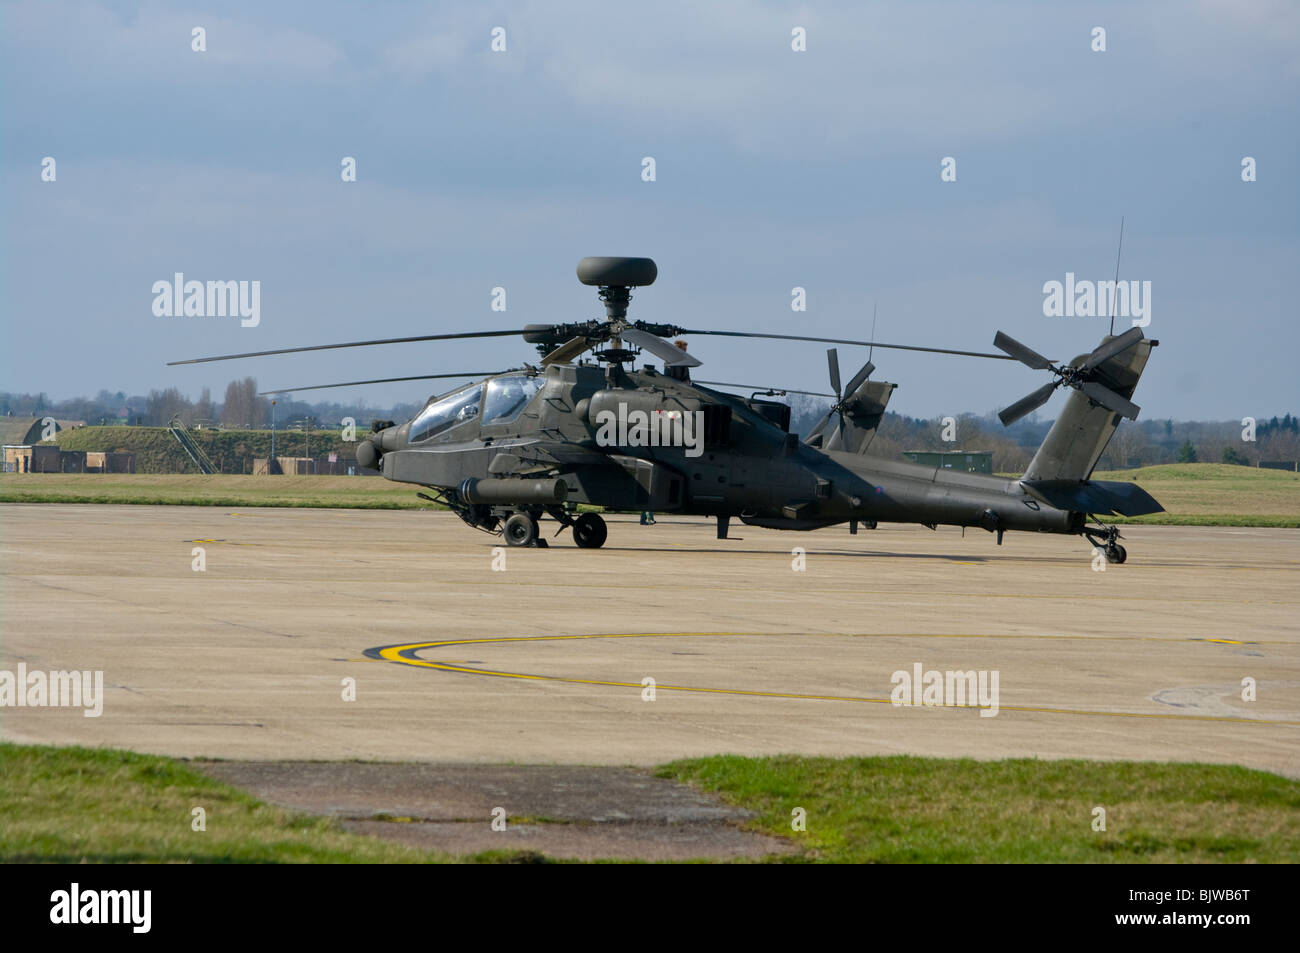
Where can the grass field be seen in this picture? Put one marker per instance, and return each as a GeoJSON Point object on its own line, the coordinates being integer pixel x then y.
{"type": "Point", "coordinates": [74, 805]}
{"type": "Point", "coordinates": [214, 490]}
{"type": "Point", "coordinates": [1209, 494]}
{"type": "Point", "coordinates": [929, 810]}
{"type": "Point", "coordinates": [1192, 493]}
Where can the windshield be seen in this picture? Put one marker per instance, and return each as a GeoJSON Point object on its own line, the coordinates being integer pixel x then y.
{"type": "Point", "coordinates": [446, 413]}
{"type": "Point", "coordinates": [507, 396]}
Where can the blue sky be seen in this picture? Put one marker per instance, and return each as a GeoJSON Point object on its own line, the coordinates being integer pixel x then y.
{"type": "Point", "coordinates": [775, 169]}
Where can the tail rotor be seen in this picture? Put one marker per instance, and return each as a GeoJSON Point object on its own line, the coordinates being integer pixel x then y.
{"type": "Point", "coordinates": [1083, 377]}
{"type": "Point", "coordinates": [842, 395]}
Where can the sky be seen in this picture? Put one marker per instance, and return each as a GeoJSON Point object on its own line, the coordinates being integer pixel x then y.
{"type": "Point", "coordinates": [775, 168]}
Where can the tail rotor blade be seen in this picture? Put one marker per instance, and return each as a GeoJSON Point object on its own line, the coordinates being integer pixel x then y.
{"type": "Point", "coordinates": [858, 378]}
{"type": "Point", "coordinates": [1023, 354]}
{"type": "Point", "coordinates": [1109, 399]}
{"type": "Point", "coordinates": [1027, 404]}
{"type": "Point", "coordinates": [833, 362]}
{"type": "Point", "coordinates": [1115, 345]}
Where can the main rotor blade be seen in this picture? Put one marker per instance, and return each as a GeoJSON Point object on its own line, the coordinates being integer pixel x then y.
{"type": "Point", "coordinates": [1026, 404]}
{"type": "Point", "coordinates": [1111, 400]}
{"type": "Point", "coordinates": [670, 354]}
{"type": "Point", "coordinates": [383, 380]}
{"type": "Point", "coordinates": [782, 390]}
{"type": "Point", "coordinates": [1115, 345]}
{"type": "Point", "coordinates": [567, 351]}
{"type": "Point", "coordinates": [328, 347]}
{"type": "Point", "coordinates": [858, 378]}
{"type": "Point", "coordinates": [800, 337]}
{"type": "Point", "coordinates": [1023, 354]}
{"type": "Point", "coordinates": [833, 363]}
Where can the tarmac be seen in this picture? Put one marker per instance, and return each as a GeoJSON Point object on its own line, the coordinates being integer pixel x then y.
{"type": "Point", "coordinates": [582, 813]}
{"type": "Point", "coordinates": [408, 636]}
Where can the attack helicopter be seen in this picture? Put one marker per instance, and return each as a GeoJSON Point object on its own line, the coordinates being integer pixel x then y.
{"type": "Point", "coordinates": [536, 441]}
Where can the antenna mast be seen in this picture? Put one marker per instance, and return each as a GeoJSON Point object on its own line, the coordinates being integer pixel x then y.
{"type": "Point", "coordinates": [1114, 295]}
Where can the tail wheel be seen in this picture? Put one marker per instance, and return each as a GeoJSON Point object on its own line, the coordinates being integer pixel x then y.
{"type": "Point", "coordinates": [589, 531]}
{"type": "Point", "coordinates": [521, 530]}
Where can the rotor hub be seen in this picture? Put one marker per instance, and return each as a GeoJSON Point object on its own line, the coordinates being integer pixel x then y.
{"type": "Point", "coordinates": [616, 298]}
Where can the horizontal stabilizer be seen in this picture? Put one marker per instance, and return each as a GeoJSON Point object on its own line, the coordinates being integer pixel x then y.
{"type": "Point", "coordinates": [1095, 496]}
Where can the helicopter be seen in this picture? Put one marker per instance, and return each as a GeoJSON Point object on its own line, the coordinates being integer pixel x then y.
{"type": "Point", "coordinates": [540, 440]}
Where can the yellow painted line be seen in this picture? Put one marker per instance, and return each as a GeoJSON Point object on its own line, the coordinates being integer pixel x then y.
{"type": "Point", "coordinates": [404, 655]}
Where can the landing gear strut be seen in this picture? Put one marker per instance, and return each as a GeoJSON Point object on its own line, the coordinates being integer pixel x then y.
{"type": "Point", "coordinates": [521, 529]}
{"type": "Point", "coordinates": [1107, 540]}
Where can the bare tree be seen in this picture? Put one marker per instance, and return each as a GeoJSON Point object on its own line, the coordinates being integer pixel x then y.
{"type": "Point", "coordinates": [243, 408]}
{"type": "Point", "coordinates": [162, 405]}
{"type": "Point", "coordinates": [204, 410]}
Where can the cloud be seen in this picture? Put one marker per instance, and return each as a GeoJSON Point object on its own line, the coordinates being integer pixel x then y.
{"type": "Point", "coordinates": [83, 40]}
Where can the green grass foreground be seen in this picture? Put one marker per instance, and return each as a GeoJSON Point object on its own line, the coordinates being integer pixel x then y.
{"type": "Point", "coordinates": [75, 805]}
{"type": "Point", "coordinates": [903, 809]}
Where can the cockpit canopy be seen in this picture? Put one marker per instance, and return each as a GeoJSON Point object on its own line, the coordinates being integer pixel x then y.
{"type": "Point", "coordinates": [507, 396]}
{"type": "Point", "coordinates": [502, 400]}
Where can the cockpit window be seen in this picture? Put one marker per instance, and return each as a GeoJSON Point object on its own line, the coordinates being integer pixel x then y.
{"type": "Point", "coordinates": [444, 414]}
{"type": "Point", "coordinates": [507, 396]}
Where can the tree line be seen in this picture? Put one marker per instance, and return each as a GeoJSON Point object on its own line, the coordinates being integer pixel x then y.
{"type": "Point", "coordinates": [241, 409]}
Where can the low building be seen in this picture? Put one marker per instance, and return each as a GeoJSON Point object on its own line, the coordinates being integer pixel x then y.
{"type": "Point", "coordinates": [297, 466]}
{"type": "Point", "coordinates": [24, 431]}
{"type": "Point", "coordinates": [17, 459]}
{"type": "Point", "coordinates": [50, 459]}
{"type": "Point", "coordinates": [969, 461]}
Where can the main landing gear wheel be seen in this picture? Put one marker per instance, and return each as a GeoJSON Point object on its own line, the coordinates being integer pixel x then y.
{"type": "Point", "coordinates": [521, 530]}
{"type": "Point", "coordinates": [589, 531]}
{"type": "Point", "coordinates": [1106, 539]}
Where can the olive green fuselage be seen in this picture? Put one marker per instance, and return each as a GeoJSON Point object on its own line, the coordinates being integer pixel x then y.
{"type": "Point", "coordinates": [704, 452]}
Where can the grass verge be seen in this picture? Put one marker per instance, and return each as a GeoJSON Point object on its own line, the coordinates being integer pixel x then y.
{"type": "Point", "coordinates": [75, 805]}
{"type": "Point", "coordinates": [1216, 494]}
{"type": "Point", "coordinates": [215, 490]}
{"type": "Point", "coordinates": [903, 809]}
